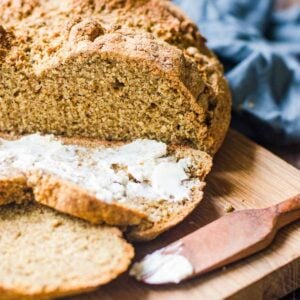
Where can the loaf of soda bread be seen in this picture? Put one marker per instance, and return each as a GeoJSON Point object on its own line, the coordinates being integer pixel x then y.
{"type": "Point", "coordinates": [112, 69]}
{"type": "Point", "coordinates": [140, 104]}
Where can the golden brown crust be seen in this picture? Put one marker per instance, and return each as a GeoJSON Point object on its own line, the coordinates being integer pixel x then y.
{"type": "Point", "coordinates": [218, 103]}
{"type": "Point", "coordinates": [71, 199]}
{"type": "Point", "coordinates": [153, 33]}
{"type": "Point", "coordinates": [14, 188]}
{"type": "Point", "coordinates": [127, 45]}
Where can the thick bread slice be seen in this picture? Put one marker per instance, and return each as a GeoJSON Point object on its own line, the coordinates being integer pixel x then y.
{"type": "Point", "coordinates": [117, 70]}
{"type": "Point", "coordinates": [44, 254]}
{"type": "Point", "coordinates": [121, 184]}
{"type": "Point", "coordinates": [66, 197]}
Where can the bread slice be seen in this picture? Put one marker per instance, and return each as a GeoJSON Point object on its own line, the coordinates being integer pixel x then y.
{"type": "Point", "coordinates": [115, 70]}
{"type": "Point", "coordinates": [145, 185]}
{"type": "Point", "coordinates": [44, 254]}
{"type": "Point", "coordinates": [161, 214]}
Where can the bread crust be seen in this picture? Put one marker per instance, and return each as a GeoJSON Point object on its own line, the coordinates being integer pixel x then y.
{"type": "Point", "coordinates": [152, 33]}
{"type": "Point", "coordinates": [147, 231]}
{"type": "Point", "coordinates": [69, 198]}
{"type": "Point", "coordinates": [64, 196]}
{"type": "Point", "coordinates": [14, 188]}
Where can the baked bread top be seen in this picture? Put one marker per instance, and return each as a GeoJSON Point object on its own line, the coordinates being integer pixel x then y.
{"type": "Point", "coordinates": [158, 79]}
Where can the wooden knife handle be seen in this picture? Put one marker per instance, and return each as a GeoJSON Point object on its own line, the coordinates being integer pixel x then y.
{"type": "Point", "coordinates": [288, 211]}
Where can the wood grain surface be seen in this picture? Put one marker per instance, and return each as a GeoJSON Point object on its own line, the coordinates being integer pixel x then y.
{"type": "Point", "coordinates": [245, 175]}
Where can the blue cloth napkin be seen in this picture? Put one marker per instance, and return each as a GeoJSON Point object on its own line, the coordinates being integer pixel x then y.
{"type": "Point", "coordinates": [260, 49]}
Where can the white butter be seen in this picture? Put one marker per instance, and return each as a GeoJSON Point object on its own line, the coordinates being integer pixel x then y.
{"type": "Point", "coordinates": [167, 179]}
{"type": "Point", "coordinates": [163, 266]}
{"type": "Point", "coordinates": [138, 169]}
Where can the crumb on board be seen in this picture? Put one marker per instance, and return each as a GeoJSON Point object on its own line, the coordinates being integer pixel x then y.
{"type": "Point", "coordinates": [229, 208]}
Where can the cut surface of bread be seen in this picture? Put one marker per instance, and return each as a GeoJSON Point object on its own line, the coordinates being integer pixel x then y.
{"type": "Point", "coordinates": [44, 254]}
{"type": "Point", "coordinates": [115, 70]}
{"type": "Point", "coordinates": [144, 184]}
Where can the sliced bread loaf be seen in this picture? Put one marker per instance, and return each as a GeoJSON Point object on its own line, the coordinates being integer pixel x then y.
{"type": "Point", "coordinates": [115, 70]}
{"type": "Point", "coordinates": [44, 254]}
{"type": "Point", "coordinates": [145, 184]}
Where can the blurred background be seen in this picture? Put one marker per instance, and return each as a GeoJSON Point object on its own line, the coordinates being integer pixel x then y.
{"type": "Point", "coordinates": [258, 42]}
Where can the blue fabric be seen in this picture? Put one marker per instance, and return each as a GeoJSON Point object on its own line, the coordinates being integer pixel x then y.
{"type": "Point", "coordinates": [260, 49]}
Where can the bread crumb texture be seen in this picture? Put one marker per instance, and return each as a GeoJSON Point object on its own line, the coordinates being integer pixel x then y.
{"type": "Point", "coordinates": [44, 254]}
{"type": "Point", "coordinates": [142, 184]}
{"type": "Point", "coordinates": [116, 70]}
{"type": "Point", "coordinates": [142, 168]}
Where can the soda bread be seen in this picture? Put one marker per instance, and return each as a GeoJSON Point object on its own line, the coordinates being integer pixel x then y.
{"type": "Point", "coordinates": [111, 69]}
{"type": "Point", "coordinates": [144, 183]}
{"type": "Point", "coordinates": [135, 73]}
{"type": "Point", "coordinates": [44, 254]}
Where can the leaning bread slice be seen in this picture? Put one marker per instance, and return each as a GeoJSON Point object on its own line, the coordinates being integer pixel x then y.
{"type": "Point", "coordinates": [144, 184]}
{"type": "Point", "coordinates": [45, 254]}
{"type": "Point", "coordinates": [64, 177]}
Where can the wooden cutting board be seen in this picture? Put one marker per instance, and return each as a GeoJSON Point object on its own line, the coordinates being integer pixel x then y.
{"type": "Point", "coordinates": [245, 175]}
